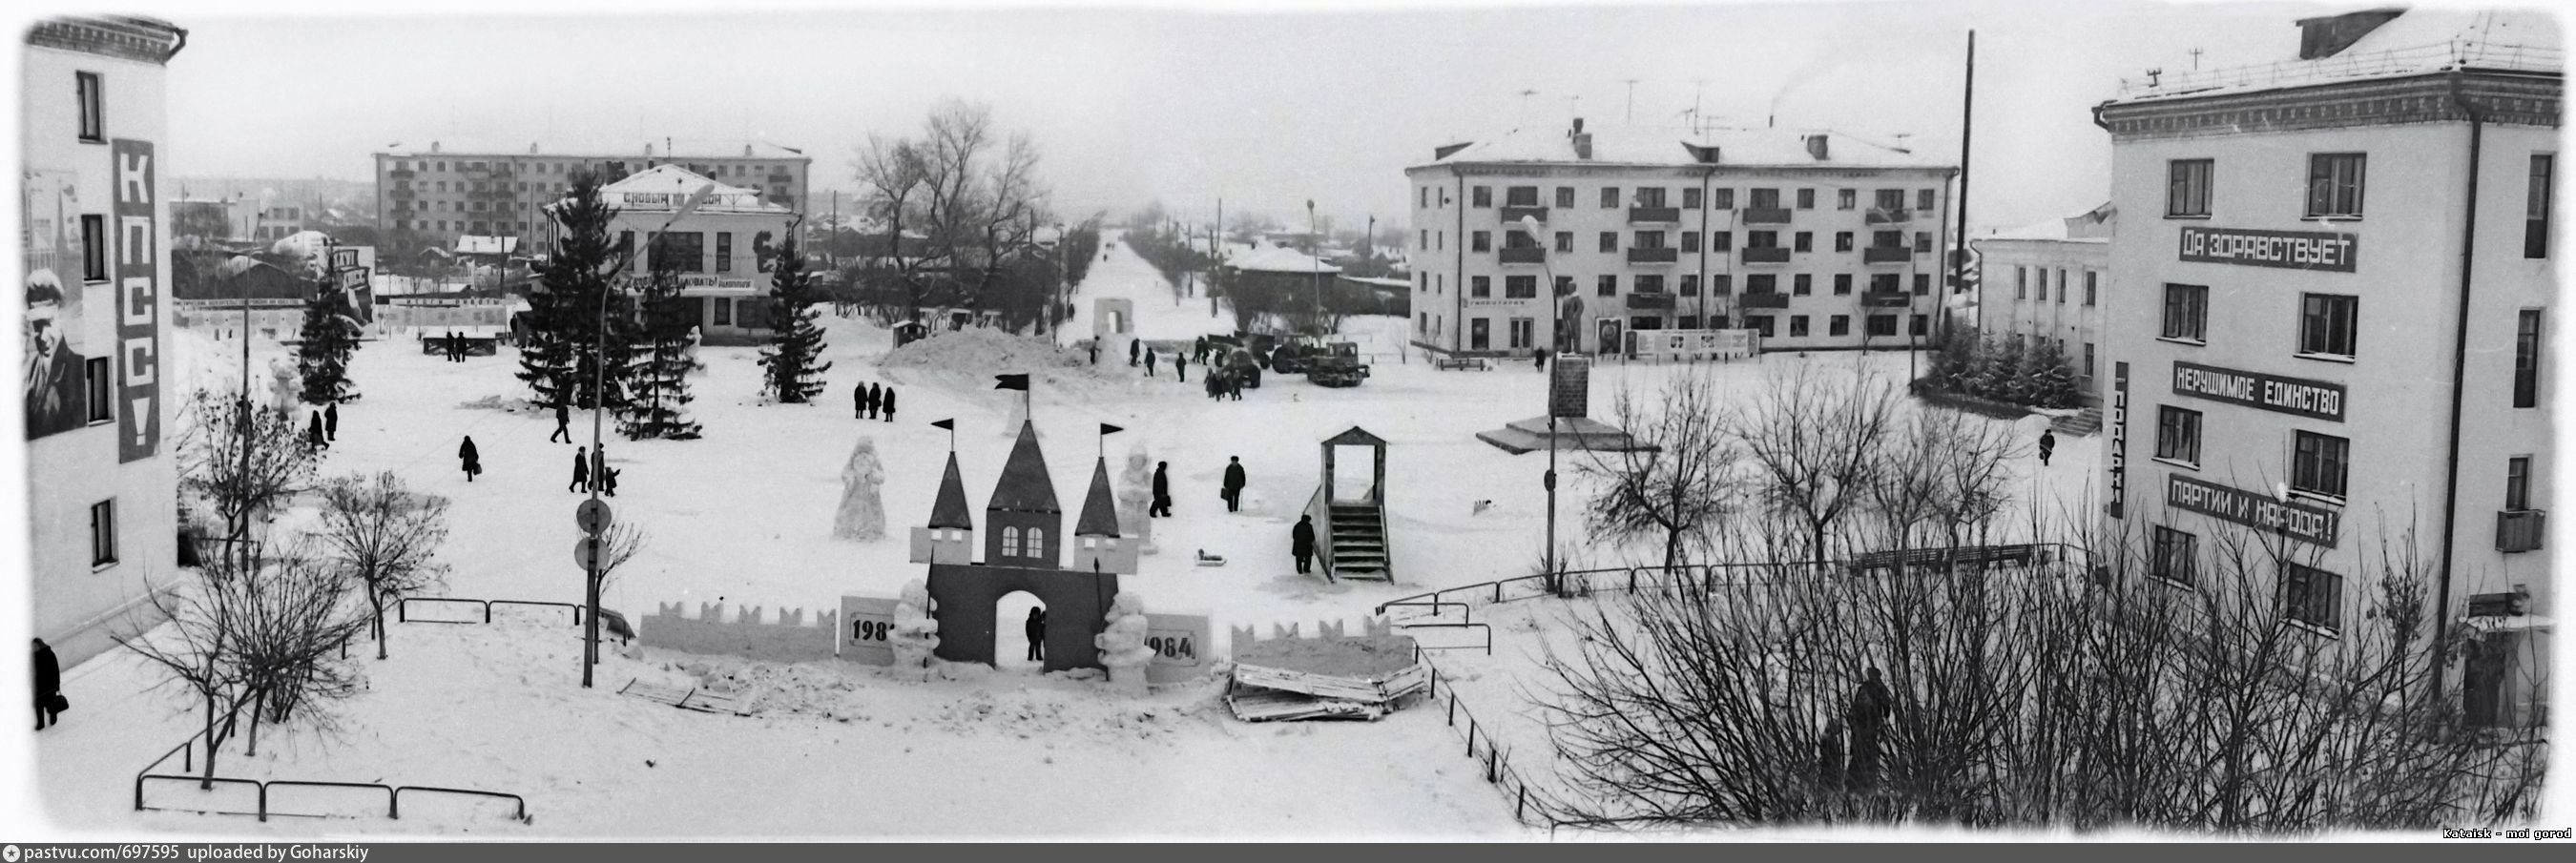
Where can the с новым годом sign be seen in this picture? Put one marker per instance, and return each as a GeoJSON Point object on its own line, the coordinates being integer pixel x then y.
{"type": "Point", "coordinates": [2295, 396]}
{"type": "Point", "coordinates": [2305, 523]}
{"type": "Point", "coordinates": [2292, 250]}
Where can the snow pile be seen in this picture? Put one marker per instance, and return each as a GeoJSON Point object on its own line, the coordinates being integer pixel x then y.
{"type": "Point", "coordinates": [1122, 645]}
{"type": "Point", "coordinates": [979, 354]}
{"type": "Point", "coordinates": [915, 634]}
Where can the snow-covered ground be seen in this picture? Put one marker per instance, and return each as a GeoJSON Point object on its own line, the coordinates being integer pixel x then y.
{"type": "Point", "coordinates": [744, 516]}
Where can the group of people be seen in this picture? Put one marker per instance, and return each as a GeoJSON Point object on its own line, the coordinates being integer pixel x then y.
{"type": "Point", "coordinates": [872, 401]}
{"type": "Point", "coordinates": [590, 471]}
{"type": "Point", "coordinates": [1865, 718]}
{"type": "Point", "coordinates": [455, 344]}
{"type": "Point", "coordinates": [325, 428]}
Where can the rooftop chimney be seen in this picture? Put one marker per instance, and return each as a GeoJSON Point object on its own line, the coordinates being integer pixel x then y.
{"type": "Point", "coordinates": [1582, 140]}
{"type": "Point", "coordinates": [433, 146]}
{"type": "Point", "coordinates": [648, 149]}
{"type": "Point", "coordinates": [2327, 35]}
{"type": "Point", "coordinates": [1816, 147]}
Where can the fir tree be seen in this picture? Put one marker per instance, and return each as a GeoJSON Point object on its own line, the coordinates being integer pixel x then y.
{"type": "Point", "coordinates": [566, 345]}
{"type": "Point", "coordinates": [660, 383]}
{"type": "Point", "coordinates": [792, 363]}
{"type": "Point", "coordinates": [329, 336]}
{"type": "Point", "coordinates": [2047, 381]}
{"type": "Point", "coordinates": [2004, 382]}
{"type": "Point", "coordinates": [1953, 360]}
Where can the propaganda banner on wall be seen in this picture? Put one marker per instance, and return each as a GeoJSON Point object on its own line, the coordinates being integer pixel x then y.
{"type": "Point", "coordinates": [2119, 439]}
{"type": "Point", "coordinates": [49, 237]}
{"type": "Point", "coordinates": [138, 300]}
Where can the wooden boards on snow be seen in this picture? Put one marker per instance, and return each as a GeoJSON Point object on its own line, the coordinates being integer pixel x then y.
{"type": "Point", "coordinates": [1324, 678]}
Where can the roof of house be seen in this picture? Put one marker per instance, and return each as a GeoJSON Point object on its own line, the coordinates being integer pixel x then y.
{"type": "Point", "coordinates": [1664, 146]}
{"type": "Point", "coordinates": [1279, 259]}
{"type": "Point", "coordinates": [1025, 486]}
{"type": "Point", "coordinates": [2091, 226]}
{"type": "Point", "coordinates": [472, 245]}
{"type": "Point", "coordinates": [2414, 42]}
{"type": "Point", "coordinates": [1099, 506]}
{"type": "Point", "coordinates": [949, 509]}
{"type": "Point", "coordinates": [663, 187]}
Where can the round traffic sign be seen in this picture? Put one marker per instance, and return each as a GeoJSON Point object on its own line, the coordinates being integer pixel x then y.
{"type": "Point", "coordinates": [587, 552]}
{"type": "Point", "coordinates": [593, 516]}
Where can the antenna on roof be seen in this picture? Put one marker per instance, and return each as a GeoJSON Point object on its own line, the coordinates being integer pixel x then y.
{"type": "Point", "coordinates": [1524, 118]}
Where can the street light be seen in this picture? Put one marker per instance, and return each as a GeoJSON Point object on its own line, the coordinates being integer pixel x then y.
{"type": "Point", "coordinates": [1529, 225]}
{"type": "Point", "coordinates": [1315, 248]}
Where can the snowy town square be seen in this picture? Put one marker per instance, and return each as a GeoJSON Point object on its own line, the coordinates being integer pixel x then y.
{"type": "Point", "coordinates": [1043, 428]}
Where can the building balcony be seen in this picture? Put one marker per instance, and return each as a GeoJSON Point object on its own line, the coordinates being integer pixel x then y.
{"type": "Point", "coordinates": [2520, 529]}
{"type": "Point", "coordinates": [403, 194]}
{"type": "Point", "coordinates": [1642, 255]}
{"type": "Point", "coordinates": [1763, 301]}
{"type": "Point", "coordinates": [782, 178]}
{"type": "Point", "coordinates": [1766, 216]}
{"type": "Point", "coordinates": [1513, 215]}
{"type": "Point", "coordinates": [1886, 255]}
{"type": "Point", "coordinates": [400, 173]}
{"type": "Point", "coordinates": [1773, 255]}
{"type": "Point", "coordinates": [1528, 255]}
{"type": "Point", "coordinates": [1665, 215]}
{"type": "Point", "coordinates": [1886, 299]}
{"type": "Point", "coordinates": [1888, 217]}
{"type": "Point", "coordinates": [1656, 300]}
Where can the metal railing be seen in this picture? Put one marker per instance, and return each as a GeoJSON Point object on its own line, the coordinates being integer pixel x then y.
{"type": "Point", "coordinates": [402, 610]}
{"type": "Point", "coordinates": [1533, 809]}
{"type": "Point", "coordinates": [1321, 511]}
{"type": "Point", "coordinates": [2444, 56]}
{"type": "Point", "coordinates": [1710, 576]}
{"type": "Point", "coordinates": [186, 751]}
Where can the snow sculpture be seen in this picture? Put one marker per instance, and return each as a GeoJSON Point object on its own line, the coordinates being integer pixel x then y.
{"type": "Point", "coordinates": [1122, 644]}
{"type": "Point", "coordinates": [915, 634]}
{"type": "Point", "coordinates": [284, 387]}
{"type": "Point", "coordinates": [862, 516]}
{"type": "Point", "coordinates": [690, 353]}
{"type": "Point", "coordinates": [1135, 496]}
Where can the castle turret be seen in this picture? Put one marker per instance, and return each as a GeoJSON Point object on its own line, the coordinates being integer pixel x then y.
{"type": "Point", "coordinates": [1027, 526]}
{"type": "Point", "coordinates": [950, 535]}
{"type": "Point", "coordinates": [1098, 545]}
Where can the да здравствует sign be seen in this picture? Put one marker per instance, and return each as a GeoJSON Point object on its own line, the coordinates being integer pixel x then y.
{"type": "Point", "coordinates": [2295, 396]}
{"type": "Point", "coordinates": [2289, 250]}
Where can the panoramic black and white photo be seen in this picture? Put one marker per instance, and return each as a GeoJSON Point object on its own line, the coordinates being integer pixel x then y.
{"type": "Point", "coordinates": [1518, 422]}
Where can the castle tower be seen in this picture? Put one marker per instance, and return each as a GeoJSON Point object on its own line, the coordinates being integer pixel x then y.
{"type": "Point", "coordinates": [1027, 526]}
{"type": "Point", "coordinates": [950, 536]}
{"type": "Point", "coordinates": [1098, 547]}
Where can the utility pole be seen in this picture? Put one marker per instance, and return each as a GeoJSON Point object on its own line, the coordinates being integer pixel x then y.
{"type": "Point", "coordinates": [1954, 273]}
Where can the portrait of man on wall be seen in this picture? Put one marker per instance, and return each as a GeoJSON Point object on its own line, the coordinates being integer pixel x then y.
{"type": "Point", "coordinates": [55, 397]}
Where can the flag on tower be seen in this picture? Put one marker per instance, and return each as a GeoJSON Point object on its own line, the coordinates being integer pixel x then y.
{"type": "Point", "coordinates": [1012, 382]}
{"type": "Point", "coordinates": [1108, 429]}
{"type": "Point", "coordinates": [949, 424]}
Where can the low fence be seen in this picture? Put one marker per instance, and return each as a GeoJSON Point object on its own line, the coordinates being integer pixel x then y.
{"type": "Point", "coordinates": [1709, 576]}
{"type": "Point", "coordinates": [259, 804]}
{"type": "Point", "coordinates": [403, 609]}
{"type": "Point", "coordinates": [1530, 807]}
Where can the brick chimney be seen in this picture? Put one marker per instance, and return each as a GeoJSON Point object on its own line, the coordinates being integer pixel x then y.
{"type": "Point", "coordinates": [2327, 35]}
{"type": "Point", "coordinates": [1816, 147]}
{"type": "Point", "coordinates": [1582, 140]}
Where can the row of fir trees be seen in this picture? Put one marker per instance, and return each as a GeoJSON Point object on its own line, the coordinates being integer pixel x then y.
{"type": "Point", "coordinates": [2032, 372]}
{"type": "Point", "coordinates": [594, 343]}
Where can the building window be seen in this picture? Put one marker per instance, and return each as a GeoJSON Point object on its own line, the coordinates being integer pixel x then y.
{"type": "Point", "coordinates": [1691, 198]}
{"type": "Point", "coordinates": [1607, 286]}
{"type": "Point", "coordinates": [1480, 197]}
{"type": "Point", "coordinates": [1762, 239]}
{"type": "Point", "coordinates": [2061, 287]}
{"type": "Point", "coordinates": [2517, 483]}
{"type": "Point", "coordinates": [1923, 199]}
{"type": "Point", "coordinates": [1521, 330]}
{"type": "Point", "coordinates": [2092, 282]}
{"type": "Point", "coordinates": [1690, 241]}
{"type": "Point", "coordinates": [2535, 216]}
{"type": "Point", "coordinates": [2187, 312]}
{"type": "Point", "coordinates": [1650, 239]}
{"type": "Point", "coordinates": [1650, 283]}
{"type": "Point", "coordinates": [93, 228]}
{"type": "Point", "coordinates": [1650, 196]}
{"type": "Point", "coordinates": [1842, 284]}
{"type": "Point", "coordinates": [2334, 185]}
{"type": "Point", "coordinates": [1845, 199]}
{"type": "Point", "coordinates": [1609, 197]}
{"type": "Point", "coordinates": [1721, 241]}
{"type": "Point", "coordinates": [1010, 542]}
{"type": "Point", "coordinates": [2318, 464]}
{"type": "Point", "coordinates": [2311, 596]}
{"type": "Point", "coordinates": [1761, 283]}
{"type": "Point", "coordinates": [96, 377]}
{"type": "Point", "coordinates": [1758, 323]}
{"type": "Point", "coordinates": [723, 312]}
{"type": "Point", "coordinates": [1609, 241]}
{"type": "Point", "coordinates": [102, 532]}
{"type": "Point", "coordinates": [1838, 325]}
{"type": "Point", "coordinates": [1806, 199]}
{"type": "Point", "coordinates": [1480, 287]}
{"type": "Point", "coordinates": [1797, 326]}
{"type": "Point", "coordinates": [1801, 285]}
{"type": "Point", "coordinates": [2021, 283]}
{"type": "Point", "coordinates": [1802, 242]}
{"type": "Point", "coordinates": [1565, 241]}
{"type": "Point", "coordinates": [90, 89]}
{"type": "Point", "coordinates": [1690, 286]}
{"type": "Point", "coordinates": [1721, 285]}
{"type": "Point", "coordinates": [1922, 283]}
{"type": "Point", "coordinates": [2326, 324]}
{"type": "Point", "coordinates": [2088, 361]}
{"type": "Point", "coordinates": [2177, 433]}
{"type": "Point", "coordinates": [1521, 196]}
{"type": "Point", "coordinates": [1422, 197]}
{"type": "Point", "coordinates": [1882, 326]}
{"type": "Point", "coordinates": [724, 249]}
{"type": "Point", "coordinates": [1842, 241]}
{"type": "Point", "coordinates": [1516, 287]}
{"type": "Point", "coordinates": [1480, 333]}
{"type": "Point", "coordinates": [2526, 359]}
{"type": "Point", "coordinates": [1765, 199]}
{"type": "Point", "coordinates": [2174, 556]}
{"type": "Point", "coordinates": [1923, 244]}
{"type": "Point", "coordinates": [1922, 325]}
{"type": "Point", "coordinates": [2187, 188]}
{"type": "Point", "coordinates": [1480, 241]}
{"type": "Point", "coordinates": [1721, 199]}
{"type": "Point", "coordinates": [1565, 197]}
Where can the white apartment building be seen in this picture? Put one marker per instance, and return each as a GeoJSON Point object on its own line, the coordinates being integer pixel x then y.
{"type": "Point", "coordinates": [446, 192]}
{"type": "Point", "coordinates": [102, 479]}
{"type": "Point", "coordinates": [2337, 277]}
{"type": "Point", "coordinates": [1816, 240]}
{"type": "Point", "coordinates": [2046, 281]}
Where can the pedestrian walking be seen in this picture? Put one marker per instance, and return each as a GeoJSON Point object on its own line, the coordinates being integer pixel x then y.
{"type": "Point", "coordinates": [580, 470]}
{"type": "Point", "coordinates": [1181, 367]}
{"type": "Point", "coordinates": [1215, 382]}
{"type": "Point", "coordinates": [1233, 483]}
{"type": "Point", "coordinates": [859, 402]}
{"type": "Point", "coordinates": [1301, 542]}
{"type": "Point", "coordinates": [1538, 359]}
{"type": "Point", "coordinates": [563, 421]}
{"type": "Point", "coordinates": [313, 437]}
{"type": "Point", "coordinates": [2047, 445]}
{"type": "Point", "coordinates": [1870, 706]}
{"type": "Point", "coordinates": [608, 481]}
{"type": "Point", "coordinates": [1234, 387]}
{"type": "Point", "coordinates": [1198, 349]}
{"type": "Point", "coordinates": [1095, 351]}
{"type": "Point", "coordinates": [49, 687]}
{"type": "Point", "coordinates": [331, 424]}
{"type": "Point", "coordinates": [1162, 505]}
{"type": "Point", "coordinates": [888, 407]}
{"type": "Point", "coordinates": [471, 458]}
{"type": "Point", "coordinates": [876, 396]}
{"type": "Point", "coordinates": [1036, 631]}
{"type": "Point", "coordinates": [1149, 364]}
{"type": "Point", "coordinates": [1134, 349]}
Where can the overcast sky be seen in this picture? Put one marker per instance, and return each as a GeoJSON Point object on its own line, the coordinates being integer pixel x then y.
{"type": "Point", "coordinates": [1132, 105]}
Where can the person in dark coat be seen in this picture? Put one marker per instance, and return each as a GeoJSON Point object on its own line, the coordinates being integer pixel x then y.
{"type": "Point", "coordinates": [1036, 630]}
{"type": "Point", "coordinates": [1215, 382]}
{"type": "Point", "coordinates": [1095, 352]}
{"type": "Point", "coordinates": [875, 394]}
{"type": "Point", "coordinates": [1135, 350]}
{"type": "Point", "coordinates": [859, 402]}
{"type": "Point", "coordinates": [1301, 542]}
{"type": "Point", "coordinates": [313, 436]}
{"type": "Point", "coordinates": [331, 426]}
{"type": "Point", "coordinates": [1234, 387]}
{"type": "Point", "coordinates": [580, 470]}
{"type": "Point", "coordinates": [1870, 706]}
{"type": "Point", "coordinates": [1162, 505]}
{"type": "Point", "coordinates": [1233, 483]}
{"type": "Point", "coordinates": [1181, 367]}
{"type": "Point", "coordinates": [1149, 364]}
{"type": "Point", "coordinates": [1198, 348]}
{"type": "Point", "coordinates": [563, 421]}
{"type": "Point", "coordinates": [472, 459]}
{"type": "Point", "coordinates": [608, 481]}
{"type": "Point", "coordinates": [1538, 358]}
{"type": "Point", "coordinates": [1830, 765]}
{"type": "Point", "coordinates": [49, 685]}
{"type": "Point", "coordinates": [2047, 445]}
{"type": "Point", "coordinates": [888, 407]}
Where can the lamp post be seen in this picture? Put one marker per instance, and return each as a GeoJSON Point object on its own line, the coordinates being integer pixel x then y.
{"type": "Point", "coordinates": [1315, 248]}
{"type": "Point", "coordinates": [1529, 225]}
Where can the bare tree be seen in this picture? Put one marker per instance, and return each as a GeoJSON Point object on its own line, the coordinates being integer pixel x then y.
{"type": "Point", "coordinates": [280, 464]}
{"type": "Point", "coordinates": [1678, 489]}
{"type": "Point", "coordinates": [385, 536]}
{"type": "Point", "coordinates": [1811, 441]}
{"type": "Point", "coordinates": [258, 630]}
{"type": "Point", "coordinates": [970, 191]}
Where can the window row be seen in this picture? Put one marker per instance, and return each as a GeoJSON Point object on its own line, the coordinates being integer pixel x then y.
{"type": "Point", "coordinates": [2320, 464]}
{"type": "Point", "coordinates": [2334, 186]}
{"type": "Point", "coordinates": [744, 170]}
{"type": "Point", "coordinates": [1687, 284]}
{"type": "Point", "coordinates": [2305, 594]}
{"type": "Point", "coordinates": [1876, 326]}
{"type": "Point", "coordinates": [2329, 324]}
{"type": "Point", "coordinates": [1685, 241]}
{"type": "Point", "coordinates": [1688, 198]}
{"type": "Point", "coordinates": [2022, 283]}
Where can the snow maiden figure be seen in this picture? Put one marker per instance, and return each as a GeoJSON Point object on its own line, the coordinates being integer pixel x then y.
{"type": "Point", "coordinates": [862, 515]}
{"type": "Point", "coordinates": [1135, 495]}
